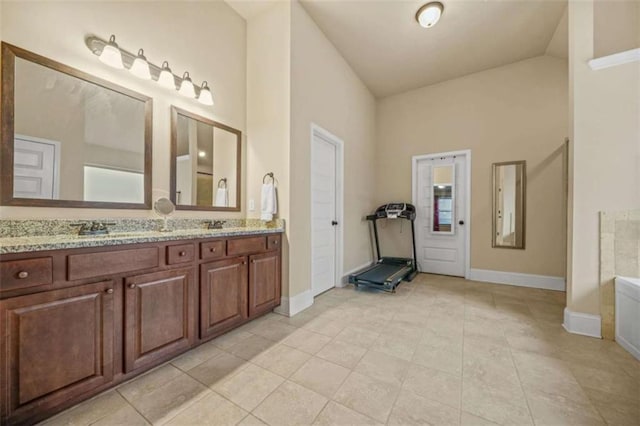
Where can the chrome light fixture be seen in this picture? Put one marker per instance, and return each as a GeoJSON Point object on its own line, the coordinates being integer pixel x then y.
{"type": "Point", "coordinates": [140, 67]}
{"type": "Point", "coordinates": [111, 54]}
{"type": "Point", "coordinates": [429, 14]}
{"type": "Point", "coordinates": [165, 78]}
{"type": "Point", "coordinates": [186, 87]}
{"type": "Point", "coordinates": [205, 96]}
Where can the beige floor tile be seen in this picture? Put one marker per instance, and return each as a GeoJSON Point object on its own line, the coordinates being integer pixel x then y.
{"type": "Point", "coordinates": [231, 338]}
{"type": "Point", "coordinates": [251, 420]}
{"type": "Point", "coordinates": [616, 410]}
{"type": "Point", "coordinates": [306, 341]}
{"type": "Point", "coordinates": [166, 401]}
{"type": "Point", "coordinates": [412, 409]}
{"type": "Point", "coordinates": [251, 347]}
{"type": "Point", "coordinates": [210, 410]}
{"type": "Point", "coordinates": [468, 419]}
{"type": "Point", "coordinates": [497, 374]}
{"type": "Point", "coordinates": [438, 358]}
{"type": "Point", "coordinates": [368, 396]}
{"type": "Point", "coordinates": [299, 319]}
{"type": "Point", "coordinates": [335, 414]}
{"type": "Point", "coordinates": [274, 330]}
{"type": "Point", "coordinates": [358, 336]}
{"type": "Point", "coordinates": [196, 356]}
{"type": "Point", "coordinates": [549, 409]}
{"type": "Point", "coordinates": [90, 411]}
{"type": "Point", "coordinates": [282, 360]}
{"type": "Point", "coordinates": [148, 382]}
{"type": "Point", "coordinates": [249, 387]}
{"type": "Point", "coordinates": [383, 367]}
{"type": "Point", "coordinates": [321, 376]}
{"type": "Point", "coordinates": [325, 326]}
{"type": "Point", "coordinates": [342, 353]}
{"type": "Point", "coordinates": [398, 346]}
{"type": "Point", "coordinates": [217, 369]}
{"type": "Point", "coordinates": [290, 404]}
{"type": "Point", "coordinates": [600, 379]}
{"type": "Point", "coordinates": [434, 384]}
{"type": "Point", "coordinates": [449, 342]}
{"type": "Point", "coordinates": [125, 416]}
{"type": "Point", "coordinates": [486, 348]}
{"type": "Point", "coordinates": [496, 404]}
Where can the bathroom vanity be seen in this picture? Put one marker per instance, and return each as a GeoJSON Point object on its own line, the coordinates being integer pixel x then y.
{"type": "Point", "coordinates": [81, 315]}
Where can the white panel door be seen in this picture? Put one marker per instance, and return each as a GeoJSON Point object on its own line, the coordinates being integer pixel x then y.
{"type": "Point", "coordinates": [441, 208]}
{"type": "Point", "coordinates": [323, 215]}
{"type": "Point", "coordinates": [35, 169]}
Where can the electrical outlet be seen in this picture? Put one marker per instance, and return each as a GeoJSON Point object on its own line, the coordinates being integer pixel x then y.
{"type": "Point", "coordinates": [252, 205]}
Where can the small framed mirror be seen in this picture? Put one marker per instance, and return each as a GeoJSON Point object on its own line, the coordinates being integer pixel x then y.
{"type": "Point", "coordinates": [509, 187]}
{"type": "Point", "coordinates": [443, 199]}
{"type": "Point", "coordinates": [70, 139]}
{"type": "Point", "coordinates": [205, 163]}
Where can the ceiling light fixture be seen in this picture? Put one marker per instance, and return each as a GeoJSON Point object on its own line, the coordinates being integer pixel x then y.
{"type": "Point", "coordinates": [165, 78]}
{"type": "Point", "coordinates": [186, 87]}
{"type": "Point", "coordinates": [429, 14]}
{"type": "Point", "coordinates": [205, 96]}
{"type": "Point", "coordinates": [202, 154]}
{"type": "Point", "coordinates": [111, 54]}
{"type": "Point", "coordinates": [140, 67]}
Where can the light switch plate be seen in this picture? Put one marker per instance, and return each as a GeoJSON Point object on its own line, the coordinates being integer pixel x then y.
{"type": "Point", "coordinates": [252, 205]}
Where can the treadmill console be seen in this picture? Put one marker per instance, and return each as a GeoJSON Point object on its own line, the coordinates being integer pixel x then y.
{"type": "Point", "coordinates": [396, 210]}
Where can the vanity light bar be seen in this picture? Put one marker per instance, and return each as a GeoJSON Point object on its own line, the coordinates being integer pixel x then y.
{"type": "Point", "coordinates": [201, 93]}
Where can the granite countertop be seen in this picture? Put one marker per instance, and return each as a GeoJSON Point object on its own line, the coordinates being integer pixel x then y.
{"type": "Point", "coordinates": [66, 241]}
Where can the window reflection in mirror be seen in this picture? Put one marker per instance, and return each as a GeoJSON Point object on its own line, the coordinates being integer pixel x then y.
{"type": "Point", "coordinates": [75, 140]}
{"type": "Point", "coordinates": [442, 217]}
{"type": "Point", "coordinates": [508, 204]}
{"type": "Point", "coordinates": [206, 163]}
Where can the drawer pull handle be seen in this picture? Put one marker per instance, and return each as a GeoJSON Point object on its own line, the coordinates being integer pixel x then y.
{"type": "Point", "coordinates": [132, 286]}
{"type": "Point", "coordinates": [109, 291]}
{"type": "Point", "coordinates": [23, 274]}
{"type": "Point", "coordinates": [182, 253]}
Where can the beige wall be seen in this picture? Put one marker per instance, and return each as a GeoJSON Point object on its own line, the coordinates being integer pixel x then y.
{"type": "Point", "coordinates": [514, 112]}
{"type": "Point", "coordinates": [605, 153]}
{"type": "Point", "coordinates": [206, 38]}
{"type": "Point", "coordinates": [616, 26]}
{"type": "Point", "coordinates": [326, 91]}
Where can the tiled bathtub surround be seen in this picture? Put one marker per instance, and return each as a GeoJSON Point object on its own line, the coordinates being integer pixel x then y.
{"type": "Point", "coordinates": [18, 236]}
{"type": "Point", "coordinates": [619, 256]}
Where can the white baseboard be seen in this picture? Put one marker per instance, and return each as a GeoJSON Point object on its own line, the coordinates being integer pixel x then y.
{"type": "Point", "coordinates": [583, 324]}
{"type": "Point", "coordinates": [345, 278]}
{"type": "Point", "coordinates": [290, 306]}
{"type": "Point", "coordinates": [517, 279]}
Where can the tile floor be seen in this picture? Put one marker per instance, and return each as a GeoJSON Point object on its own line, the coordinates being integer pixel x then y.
{"type": "Point", "coordinates": [440, 351]}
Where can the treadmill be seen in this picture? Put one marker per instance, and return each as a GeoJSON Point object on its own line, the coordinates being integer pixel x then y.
{"type": "Point", "coordinates": [387, 273]}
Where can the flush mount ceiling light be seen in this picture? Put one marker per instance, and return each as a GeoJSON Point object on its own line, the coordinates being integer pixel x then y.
{"type": "Point", "coordinates": [165, 78]}
{"type": "Point", "coordinates": [202, 154]}
{"type": "Point", "coordinates": [111, 54]}
{"type": "Point", "coordinates": [205, 96]}
{"type": "Point", "coordinates": [429, 14]}
{"type": "Point", "coordinates": [186, 88]}
{"type": "Point", "coordinates": [140, 67]}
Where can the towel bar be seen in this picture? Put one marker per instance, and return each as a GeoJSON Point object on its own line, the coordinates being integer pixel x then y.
{"type": "Point", "coordinates": [270, 174]}
{"type": "Point", "coordinates": [222, 181]}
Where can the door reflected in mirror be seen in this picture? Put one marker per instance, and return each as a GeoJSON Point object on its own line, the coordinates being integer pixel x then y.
{"type": "Point", "coordinates": [206, 163]}
{"type": "Point", "coordinates": [509, 204]}
{"type": "Point", "coordinates": [442, 196]}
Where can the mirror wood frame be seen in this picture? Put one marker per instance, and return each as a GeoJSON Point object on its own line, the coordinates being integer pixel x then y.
{"type": "Point", "coordinates": [7, 102]}
{"type": "Point", "coordinates": [522, 200]}
{"type": "Point", "coordinates": [175, 111]}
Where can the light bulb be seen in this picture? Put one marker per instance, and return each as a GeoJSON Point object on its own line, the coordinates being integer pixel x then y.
{"type": "Point", "coordinates": [111, 55]}
{"type": "Point", "coordinates": [186, 87]}
{"type": "Point", "coordinates": [140, 67]}
{"type": "Point", "coordinates": [165, 79]}
{"type": "Point", "coordinates": [429, 14]}
{"type": "Point", "coordinates": [205, 94]}
{"type": "Point", "coordinates": [202, 154]}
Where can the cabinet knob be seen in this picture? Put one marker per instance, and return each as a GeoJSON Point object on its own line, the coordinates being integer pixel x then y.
{"type": "Point", "coordinates": [244, 263]}
{"type": "Point", "coordinates": [23, 274]}
{"type": "Point", "coordinates": [275, 242]}
{"type": "Point", "coordinates": [253, 261]}
{"type": "Point", "coordinates": [182, 253]}
{"type": "Point", "coordinates": [132, 285]}
{"type": "Point", "coordinates": [109, 291]}
{"type": "Point", "coordinates": [212, 250]}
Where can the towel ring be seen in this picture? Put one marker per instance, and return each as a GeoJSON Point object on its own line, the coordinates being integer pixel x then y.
{"type": "Point", "coordinates": [270, 174]}
{"type": "Point", "coordinates": [222, 181]}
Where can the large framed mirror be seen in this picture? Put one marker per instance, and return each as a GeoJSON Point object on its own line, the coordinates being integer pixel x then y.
{"type": "Point", "coordinates": [509, 187]}
{"type": "Point", "coordinates": [205, 163]}
{"type": "Point", "coordinates": [70, 139]}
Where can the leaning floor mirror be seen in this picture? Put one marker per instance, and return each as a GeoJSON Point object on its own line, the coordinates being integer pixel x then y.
{"type": "Point", "coordinates": [509, 186]}
{"type": "Point", "coordinates": [205, 163]}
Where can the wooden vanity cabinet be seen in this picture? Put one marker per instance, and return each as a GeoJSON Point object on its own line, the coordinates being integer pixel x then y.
{"type": "Point", "coordinates": [56, 346]}
{"type": "Point", "coordinates": [264, 283]}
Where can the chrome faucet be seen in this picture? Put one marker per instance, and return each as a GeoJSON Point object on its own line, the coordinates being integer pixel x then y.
{"type": "Point", "coordinates": [93, 228]}
{"type": "Point", "coordinates": [215, 224]}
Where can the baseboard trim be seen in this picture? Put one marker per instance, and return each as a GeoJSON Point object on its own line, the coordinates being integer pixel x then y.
{"type": "Point", "coordinates": [582, 324]}
{"type": "Point", "coordinates": [521, 280]}
{"type": "Point", "coordinates": [290, 306]}
{"type": "Point", "coordinates": [345, 278]}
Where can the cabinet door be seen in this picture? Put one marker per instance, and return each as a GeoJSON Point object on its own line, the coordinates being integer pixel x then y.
{"type": "Point", "coordinates": [223, 296]}
{"type": "Point", "coordinates": [55, 347]}
{"type": "Point", "coordinates": [264, 283]}
{"type": "Point", "coordinates": [159, 316]}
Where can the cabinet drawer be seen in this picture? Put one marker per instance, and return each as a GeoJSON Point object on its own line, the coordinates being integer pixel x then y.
{"type": "Point", "coordinates": [246, 245]}
{"type": "Point", "coordinates": [212, 250]}
{"type": "Point", "coordinates": [17, 274]}
{"type": "Point", "coordinates": [273, 242]}
{"type": "Point", "coordinates": [181, 253]}
{"type": "Point", "coordinates": [111, 262]}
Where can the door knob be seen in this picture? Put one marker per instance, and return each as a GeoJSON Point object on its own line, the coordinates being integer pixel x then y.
{"type": "Point", "coordinates": [334, 222]}
{"type": "Point", "coordinates": [461, 222]}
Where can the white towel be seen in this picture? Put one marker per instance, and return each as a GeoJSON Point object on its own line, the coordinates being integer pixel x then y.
{"type": "Point", "coordinates": [222, 197]}
{"type": "Point", "coordinates": [268, 202]}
